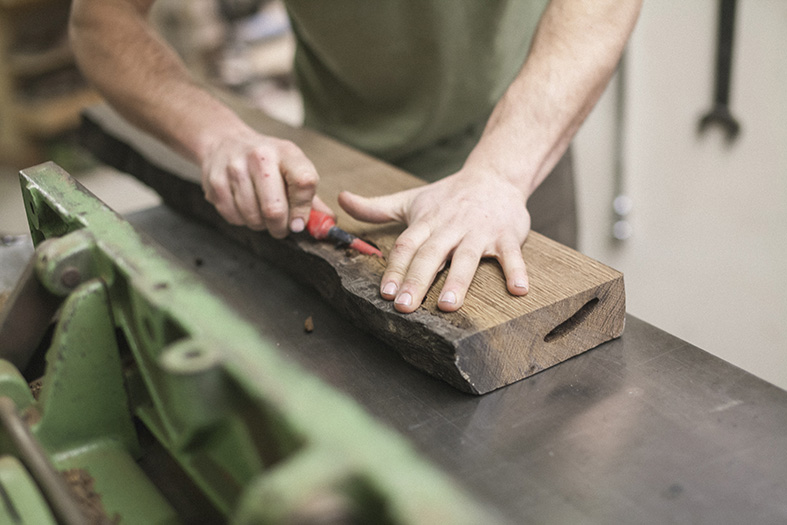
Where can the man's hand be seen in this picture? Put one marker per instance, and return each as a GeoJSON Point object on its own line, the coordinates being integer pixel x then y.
{"type": "Point", "coordinates": [480, 211]}
{"type": "Point", "coordinates": [253, 180]}
{"type": "Point", "coordinates": [260, 182]}
{"type": "Point", "coordinates": [462, 218]}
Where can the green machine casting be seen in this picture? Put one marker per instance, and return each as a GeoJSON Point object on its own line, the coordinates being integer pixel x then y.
{"type": "Point", "coordinates": [142, 368]}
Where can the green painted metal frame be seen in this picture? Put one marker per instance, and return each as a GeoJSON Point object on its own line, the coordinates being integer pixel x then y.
{"type": "Point", "coordinates": [138, 337]}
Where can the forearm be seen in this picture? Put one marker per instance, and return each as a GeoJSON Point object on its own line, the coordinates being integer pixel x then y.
{"type": "Point", "coordinates": [142, 77]}
{"type": "Point", "coordinates": [573, 55]}
{"type": "Point", "coordinates": [255, 180]}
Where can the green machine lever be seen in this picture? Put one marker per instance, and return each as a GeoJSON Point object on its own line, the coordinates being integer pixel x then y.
{"type": "Point", "coordinates": [141, 357]}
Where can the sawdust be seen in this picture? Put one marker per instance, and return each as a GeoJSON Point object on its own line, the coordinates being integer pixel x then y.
{"type": "Point", "coordinates": [31, 414]}
{"type": "Point", "coordinates": [35, 387]}
{"type": "Point", "coordinates": [81, 485]}
{"type": "Point", "coordinates": [380, 262]}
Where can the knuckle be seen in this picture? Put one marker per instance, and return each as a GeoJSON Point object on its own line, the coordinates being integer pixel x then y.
{"type": "Point", "coordinates": [405, 244]}
{"type": "Point", "coordinates": [288, 147]}
{"type": "Point", "coordinates": [275, 210]}
{"type": "Point", "coordinates": [431, 251]}
{"type": "Point", "coordinates": [459, 280]}
{"type": "Point", "coordinates": [468, 251]}
{"type": "Point", "coordinates": [414, 283]}
{"type": "Point", "coordinates": [304, 180]}
{"type": "Point", "coordinates": [211, 182]}
{"type": "Point", "coordinates": [393, 273]}
{"type": "Point", "coordinates": [251, 216]}
{"type": "Point", "coordinates": [261, 151]}
{"type": "Point", "coordinates": [216, 194]}
{"type": "Point", "coordinates": [515, 264]}
{"type": "Point", "coordinates": [512, 253]}
{"type": "Point", "coordinates": [235, 171]}
{"type": "Point", "coordinates": [420, 278]}
{"type": "Point", "coordinates": [258, 177]}
{"type": "Point", "coordinates": [278, 233]}
{"type": "Point", "coordinates": [311, 177]}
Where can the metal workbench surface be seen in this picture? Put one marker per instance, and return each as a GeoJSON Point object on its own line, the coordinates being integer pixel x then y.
{"type": "Point", "coordinates": [643, 429]}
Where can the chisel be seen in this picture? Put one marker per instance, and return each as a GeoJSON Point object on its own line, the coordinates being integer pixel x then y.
{"type": "Point", "coordinates": [322, 226]}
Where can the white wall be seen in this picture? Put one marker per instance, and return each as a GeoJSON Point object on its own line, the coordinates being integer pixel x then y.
{"type": "Point", "coordinates": [707, 259]}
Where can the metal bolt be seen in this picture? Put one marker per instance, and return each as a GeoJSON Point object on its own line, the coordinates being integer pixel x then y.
{"type": "Point", "coordinates": [71, 277]}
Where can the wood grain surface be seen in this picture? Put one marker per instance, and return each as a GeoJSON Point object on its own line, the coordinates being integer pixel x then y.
{"type": "Point", "coordinates": [575, 303]}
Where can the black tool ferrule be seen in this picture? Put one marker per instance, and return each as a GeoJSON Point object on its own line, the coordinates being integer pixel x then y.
{"type": "Point", "coordinates": [340, 236]}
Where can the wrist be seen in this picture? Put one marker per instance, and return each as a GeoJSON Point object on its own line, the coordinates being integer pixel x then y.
{"type": "Point", "coordinates": [211, 131]}
{"type": "Point", "coordinates": [496, 164]}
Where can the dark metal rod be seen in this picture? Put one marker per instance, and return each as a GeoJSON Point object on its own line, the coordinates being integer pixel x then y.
{"type": "Point", "coordinates": [724, 50]}
{"type": "Point", "coordinates": [32, 454]}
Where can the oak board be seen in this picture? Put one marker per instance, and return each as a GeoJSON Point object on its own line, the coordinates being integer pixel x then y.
{"type": "Point", "coordinates": [575, 303]}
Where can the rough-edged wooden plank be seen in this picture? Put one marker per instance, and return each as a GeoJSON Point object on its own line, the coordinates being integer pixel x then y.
{"type": "Point", "coordinates": [575, 303]}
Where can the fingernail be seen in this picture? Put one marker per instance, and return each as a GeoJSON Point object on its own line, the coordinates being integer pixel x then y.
{"type": "Point", "coordinates": [521, 284]}
{"type": "Point", "coordinates": [448, 298]}
{"type": "Point", "coordinates": [297, 225]}
{"type": "Point", "coordinates": [404, 299]}
{"type": "Point", "coordinates": [389, 289]}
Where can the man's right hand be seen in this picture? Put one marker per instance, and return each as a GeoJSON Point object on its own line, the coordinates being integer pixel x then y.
{"type": "Point", "coordinates": [261, 182]}
{"type": "Point", "coordinates": [252, 179]}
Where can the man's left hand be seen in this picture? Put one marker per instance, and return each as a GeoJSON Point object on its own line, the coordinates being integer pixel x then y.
{"type": "Point", "coordinates": [462, 219]}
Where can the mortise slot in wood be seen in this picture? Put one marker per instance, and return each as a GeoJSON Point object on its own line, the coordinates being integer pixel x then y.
{"type": "Point", "coordinates": [572, 322]}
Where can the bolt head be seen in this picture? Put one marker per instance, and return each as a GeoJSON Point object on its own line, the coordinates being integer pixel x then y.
{"type": "Point", "coordinates": [71, 277]}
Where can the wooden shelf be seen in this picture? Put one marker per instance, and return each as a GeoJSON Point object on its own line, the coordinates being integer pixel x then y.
{"type": "Point", "coordinates": [13, 4]}
{"type": "Point", "coordinates": [41, 92]}
{"type": "Point", "coordinates": [41, 118]}
{"type": "Point", "coordinates": [37, 63]}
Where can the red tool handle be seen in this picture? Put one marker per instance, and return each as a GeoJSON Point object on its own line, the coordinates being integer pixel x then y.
{"type": "Point", "coordinates": [319, 224]}
{"type": "Point", "coordinates": [322, 226]}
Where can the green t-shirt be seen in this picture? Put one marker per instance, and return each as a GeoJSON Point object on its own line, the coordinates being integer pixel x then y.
{"type": "Point", "coordinates": [409, 81]}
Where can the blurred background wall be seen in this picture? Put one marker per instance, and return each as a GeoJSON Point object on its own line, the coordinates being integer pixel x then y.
{"type": "Point", "coordinates": [707, 254]}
